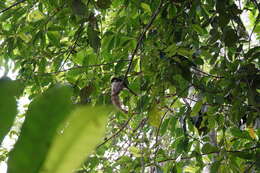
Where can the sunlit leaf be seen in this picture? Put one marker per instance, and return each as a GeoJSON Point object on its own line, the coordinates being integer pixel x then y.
{"type": "Point", "coordinates": [35, 16]}
{"type": "Point", "coordinates": [146, 8]}
{"type": "Point", "coordinates": [78, 137]}
{"type": "Point", "coordinates": [43, 117]}
{"type": "Point", "coordinates": [135, 151]}
{"type": "Point", "coordinates": [155, 116]}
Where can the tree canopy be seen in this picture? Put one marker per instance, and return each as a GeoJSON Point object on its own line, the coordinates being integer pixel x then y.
{"type": "Point", "coordinates": [194, 65]}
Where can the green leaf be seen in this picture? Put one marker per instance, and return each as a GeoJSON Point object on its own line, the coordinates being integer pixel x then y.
{"type": "Point", "coordinates": [8, 106]}
{"type": "Point", "coordinates": [94, 39]}
{"type": "Point", "coordinates": [54, 37]}
{"type": "Point", "coordinates": [154, 117]}
{"type": "Point", "coordinates": [135, 151]}
{"type": "Point", "coordinates": [208, 148]}
{"type": "Point", "coordinates": [146, 7]}
{"type": "Point", "coordinates": [35, 15]}
{"type": "Point", "coordinates": [43, 117]}
{"type": "Point", "coordinates": [79, 136]}
{"type": "Point", "coordinates": [215, 167]}
{"type": "Point", "coordinates": [182, 145]}
{"type": "Point", "coordinates": [198, 29]}
{"type": "Point", "coordinates": [185, 52]}
{"type": "Point", "coordinates": [172, 11]}
{"type": "Point", "coordinates": [196, 108]}
{"type": "Point", "coordinates": [244, 155]}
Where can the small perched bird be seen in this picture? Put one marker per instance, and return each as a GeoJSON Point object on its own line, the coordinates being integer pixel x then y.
{"type": "Point", "coordinates": [117, 85]}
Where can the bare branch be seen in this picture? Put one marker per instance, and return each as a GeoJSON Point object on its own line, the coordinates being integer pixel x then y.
{"type": "Point", "coordinates": [15, 4]}
{"type": "Point", "coordinates": [207, 74]}
{"type": "Point", "coordinates": [155, 14]}
{"type": "Point", "coordinates": [118, 132]}
{"type": "Point", "coordinates": [202, 154]}
{"type": "Point", "coordinates": [84, 66]}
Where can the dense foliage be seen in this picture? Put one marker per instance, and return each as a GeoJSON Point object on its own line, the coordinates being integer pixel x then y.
{"type": "Point", "coordinates": [193, 64]}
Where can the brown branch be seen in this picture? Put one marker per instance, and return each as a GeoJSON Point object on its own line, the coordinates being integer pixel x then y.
{"type": "Point", "coordinates": [118, 132]}
{"type": "Point", "coordinates": [74, 45]}
{"type": "Point", "coordinates": [161, 121]}
{"type": "Point", "coordinates": [207, 74]}
{"type": "Point", "coordinates": [80, 67]}
{"type": "Point", "coordinates": [155, 14]}
{"type": "Point", "coordinates": [257, 5]}
{"type": "Point", "coordinates": [203, 154]}
{"type": "Point", "coordinates": [251, 34]}
{"type": "Point", "coordinates": [157, 134]}
{"type": "Point", "coordinates": [15, 4]}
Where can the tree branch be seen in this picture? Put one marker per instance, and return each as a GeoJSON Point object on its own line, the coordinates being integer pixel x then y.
{"type": "Point", "coordinates": [86, 66]}
{"type": "Point", "coordinates": [257, 5]}
{"type": "Point", "coordinates": [15, 4]}
{"type": "Point", "coordinates": [155, 14]}
{"type": "Point", "coordinates": [203, 154]}
{"type": "Point", "coordinates": [117, 133]}
{"type": "Point", "coordinates": [207, 74]}
{"type": "Point", "coordinates": [74, 45]}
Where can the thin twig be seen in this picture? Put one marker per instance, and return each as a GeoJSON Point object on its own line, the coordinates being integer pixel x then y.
{"type": "Point", "coordinates": [256, 22]}
{"type": "Point", "coordinates": [207, 74]}
{"type": "Point", "coordinates": [155, 14]}
{"type": "Point", "coordinates": [118, 132]}
{"type": "Point", "coordinates": [15, 4]}
{"type": "Point", "coordinates": [203, 154]}
{"type": "Point", "coordinates": [251, 34]}
{"type": "Point", "coordinates": [80, 67]}
{"type": "Point", "coordinates": [73, 46]}
{"type": "Point", "coordinates": [257, 5]}
{"type": "Point", "coordinates": [157, 134]}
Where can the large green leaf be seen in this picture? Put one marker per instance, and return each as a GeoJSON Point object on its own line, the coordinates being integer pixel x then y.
{"type": "Point", "coordinates": [8, 106]}
{"type": "Point", "coordinates": [43, 117]}
{"type": "Point", "coordinates": [81, 133]}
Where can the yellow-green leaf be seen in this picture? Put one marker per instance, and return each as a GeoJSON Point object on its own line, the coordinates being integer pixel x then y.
{"type": "Point", "coordinates": [155, 117]}
{"type": "Point", "coordinates": [146, 8]}
{"type": "Point", "coordinates": [35, 16]}
{"type": "Point", "coordinates": [81, 133]}
{"type": "Point", "coordinates": [135, 151]}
